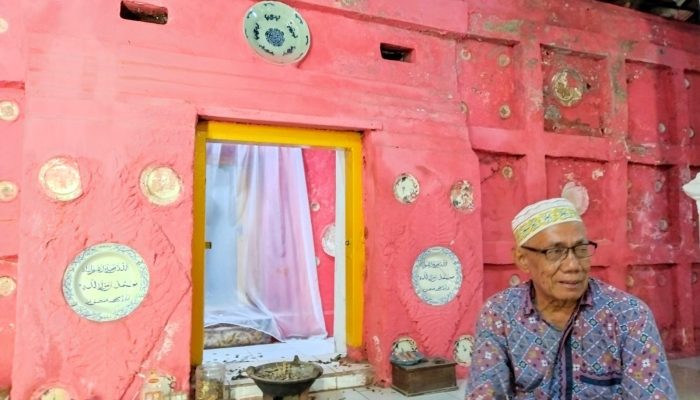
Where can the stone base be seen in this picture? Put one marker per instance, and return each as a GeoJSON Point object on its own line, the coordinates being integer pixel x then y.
{"type": "Point", "coordinates": [303, 396]}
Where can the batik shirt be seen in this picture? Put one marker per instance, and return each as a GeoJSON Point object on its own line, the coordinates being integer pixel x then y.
{"type": "Point", "coordinates": [610, 349]}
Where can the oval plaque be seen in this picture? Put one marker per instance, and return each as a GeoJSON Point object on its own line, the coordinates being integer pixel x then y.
{"type": "Point", "coordinates": [106, 282]}
{"type": "Point", "coordinates": [437, 276]}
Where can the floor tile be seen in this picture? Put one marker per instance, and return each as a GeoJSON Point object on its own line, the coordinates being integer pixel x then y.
{"type": "Point", "coordinates": [346, 394]}
{"type": "Point", "coordinates": [692, 363]}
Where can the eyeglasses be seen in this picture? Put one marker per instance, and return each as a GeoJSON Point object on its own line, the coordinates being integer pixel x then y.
{"type": "Point", "coordinates": [556, 254]}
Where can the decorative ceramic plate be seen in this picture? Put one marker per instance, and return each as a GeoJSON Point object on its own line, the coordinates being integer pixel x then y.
{"type": "Point", "coordinates": [328, 240]}
{"type": "Point", "coordinates": [462, 352]}
{"type": "Point", "coordinates": [7, 286]}
{"type": "Point", "coordinates": [403, 344]}
{"type": "Point", "coordinates": [106, 282]}
{"type": "Point", "coordinates": [577, 195]}
{"type": "Point", "coordinates": [406, 188]}
{"type": "Point", "coordinates": [407, 357]}
{"type": "Point", "coordinates": [60, 178]}
{"type": "Point", "coordinates": [54, 393]}
{"type": "Point", "coordinates": [462, 196]}
{"type": "Point", "coordinates": [8, 191]}
{"type": "Point", "coordinates": [9, 110]}
{"type": "Point", "coordinates": [437, 276]}
{"type": "Point", "coordinates": [161, 185]}
{"type": "Point", "coordinates": [276, 32]}
{"type": "Point", "coordinates": [568, 87]}
{"type": "Point", "coordinates": [514, 280]}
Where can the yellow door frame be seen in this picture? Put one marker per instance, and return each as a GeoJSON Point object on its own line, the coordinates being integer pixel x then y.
{"type": "Point", "coordinates": [351, 142]}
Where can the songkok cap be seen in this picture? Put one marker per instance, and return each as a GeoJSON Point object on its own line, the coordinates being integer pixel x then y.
{"type": "Point", "coordinates": [541, 215]}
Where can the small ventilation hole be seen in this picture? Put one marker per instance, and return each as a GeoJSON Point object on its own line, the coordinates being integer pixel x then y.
{"type": "Point", "coordinates": [396, 53]}
{"type": "Point", "coordinates": [143, 12]}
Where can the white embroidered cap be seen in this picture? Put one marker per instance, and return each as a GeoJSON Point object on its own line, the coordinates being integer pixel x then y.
{"type": "Point", "coordinates": [541, 215]}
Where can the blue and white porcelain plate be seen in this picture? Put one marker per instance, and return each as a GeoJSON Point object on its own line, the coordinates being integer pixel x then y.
{"type": "Point", "coordinates": [277, 32]}
{"type": "Point", "coordinates": [106, 282]}
{"type": "Point", "coordinates": [437, 276]}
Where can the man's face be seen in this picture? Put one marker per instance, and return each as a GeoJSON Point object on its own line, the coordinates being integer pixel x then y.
{"type": "Point", "coordinates": [565, 280]}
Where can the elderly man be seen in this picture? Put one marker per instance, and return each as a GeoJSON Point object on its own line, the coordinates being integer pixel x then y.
{"type": "Point", "coordinates": [563, 335]}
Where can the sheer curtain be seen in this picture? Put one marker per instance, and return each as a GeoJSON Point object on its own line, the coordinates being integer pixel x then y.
{"type": "Point", "coordinates": [261, 268]}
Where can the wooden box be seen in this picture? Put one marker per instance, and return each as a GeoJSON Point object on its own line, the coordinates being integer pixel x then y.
{"type": "Point", "coordinates": [429, 375]}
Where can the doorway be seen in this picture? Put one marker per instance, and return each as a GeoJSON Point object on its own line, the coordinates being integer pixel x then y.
{"type": "Point", "coordinates": [251, 313]}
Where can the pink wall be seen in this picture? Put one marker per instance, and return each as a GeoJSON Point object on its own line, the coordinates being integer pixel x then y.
{"type": "Point", "coordinates": [320, 180]}
{"type": "Point", "coordinates": [12, 73]}
{"type": "Point", "coordinates": [118, 96]}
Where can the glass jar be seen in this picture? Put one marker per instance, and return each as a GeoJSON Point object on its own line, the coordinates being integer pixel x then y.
{"type": "Point", "coordinates": [209, 381]}
{"type": "Point", "coordinates": [156, 387]}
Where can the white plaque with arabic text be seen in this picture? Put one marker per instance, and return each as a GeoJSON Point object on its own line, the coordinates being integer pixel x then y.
{"type": "Point", "coordinates": [437, 276]}
{"type": "Point", "coordinates": [106, 282]}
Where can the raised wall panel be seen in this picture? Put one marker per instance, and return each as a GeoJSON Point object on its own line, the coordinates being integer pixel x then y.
{"type": "Point", "coordinates": [502, 193]}
{"type": "Point", "coordinates": [651, 215]}
{"type": "Point", "coordinates": [586, 179]}
{"type": "Point", "coordinates": [489, 84]}
{"type": "Point", "coordinates": [655, 285]}
{"type": "Point", "coordinates": [500, 277]}
{"type": "Point", "coordinates": [650, 103]}
{"type": "Point", "coordinates": [576, 93]}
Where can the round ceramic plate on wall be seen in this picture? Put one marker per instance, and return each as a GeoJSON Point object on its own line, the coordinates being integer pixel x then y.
{"type": "Point", "coordinates": [462, 196]}
{"type": "Point", "coordinates": [60, 178]}
{"type": "Point", "coordinates": [577, 195]}
{"type": "Point", "coordinates": [403, 344]}
{"type": "Point", "coordinates": [406, 188]}
{"type": "Point", "coordinates": [106, 282]}
{"type": "Point", "coordinates": [437, 276]}
{"type": "Point", "coordinates": [9, 110]}
{"type": "Point", "coordinates": [54, 393]}
{"type": "Point", "coordinates": [7, 286]}
{"type": "Point", "coordinates": [328, 240]}
{"type": "Point", "coordinates": [8, 191]}
{"type": "Point", "coordinates": [276, 32]}
{"type": "Point", "coordinates": [462, 352]}
{"type": "Point", "coordinates": [161, 185]}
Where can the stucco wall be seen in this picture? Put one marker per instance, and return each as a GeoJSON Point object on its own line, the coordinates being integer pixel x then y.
{"type": "Point", "coordinates": [117, 96]}
{"type": "Point", "coordinates": [319, 166]}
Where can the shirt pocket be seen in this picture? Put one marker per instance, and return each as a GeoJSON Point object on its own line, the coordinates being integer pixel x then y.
{"type": "Point", "coordinates": [599, 386]}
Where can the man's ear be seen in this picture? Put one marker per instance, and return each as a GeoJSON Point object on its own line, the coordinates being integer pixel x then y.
{"type": "Point", "coordinates": [521, 260]}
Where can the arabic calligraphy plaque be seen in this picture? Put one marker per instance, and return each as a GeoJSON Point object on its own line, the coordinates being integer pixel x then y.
{"type": "Point", "coordinates": [106, 282]}
{"type": "Point", "coordinates": [437, 276]}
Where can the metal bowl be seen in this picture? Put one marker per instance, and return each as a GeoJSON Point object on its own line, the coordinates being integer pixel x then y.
{"type": "Point", "coordinates": [287, 378]}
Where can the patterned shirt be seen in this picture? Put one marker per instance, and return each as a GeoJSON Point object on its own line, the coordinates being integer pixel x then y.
{"type": "Point", "coordinates": [610, 349]}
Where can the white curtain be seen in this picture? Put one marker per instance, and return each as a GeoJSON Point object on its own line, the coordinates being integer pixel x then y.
{"type": "Point", "coordinates": [261, 268]}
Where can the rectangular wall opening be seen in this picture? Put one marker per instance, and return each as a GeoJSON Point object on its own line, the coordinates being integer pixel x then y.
{"type": "Point", "coordinates": [396, 53]}
{"type": "Point", "coordinates": [143, 12]}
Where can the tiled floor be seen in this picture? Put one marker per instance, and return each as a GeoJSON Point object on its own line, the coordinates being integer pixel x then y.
{"type": "Point", "coordinates": [686, 373]}
{"type": "Point", "coordinates": [365, 393]}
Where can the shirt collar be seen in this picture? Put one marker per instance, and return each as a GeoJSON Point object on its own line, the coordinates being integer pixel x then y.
{"type": "Point", "coordinates": [529, 306]}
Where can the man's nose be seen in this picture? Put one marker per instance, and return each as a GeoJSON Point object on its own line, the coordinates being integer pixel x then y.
{"type": "Point", "coordinates": [570, 262]}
